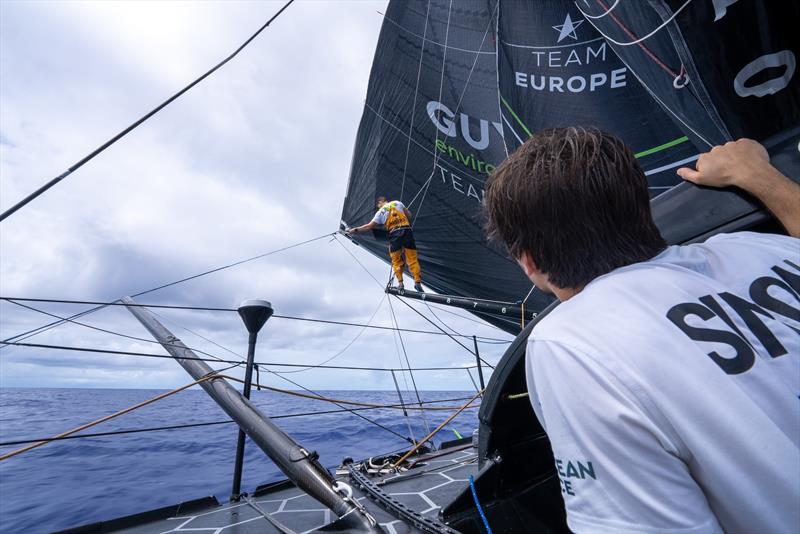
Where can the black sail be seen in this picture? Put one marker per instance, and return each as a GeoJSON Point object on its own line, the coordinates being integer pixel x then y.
{"type": "Point", "coordinates": [722, 70]}
{"type": "Point", "coordinates": [456, 85]}
{"type": "Point", "coordinates": [557, 70]}
{"type": "Point", "coordinates": [430, 135]}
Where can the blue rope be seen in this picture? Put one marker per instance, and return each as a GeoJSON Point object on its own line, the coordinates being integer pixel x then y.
{"type": "Point", "coordinates": [478, 504]}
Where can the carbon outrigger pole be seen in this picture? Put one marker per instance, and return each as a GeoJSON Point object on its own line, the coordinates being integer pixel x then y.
{"type": "Point", "coordinates": [300, 466]}
{"type": "Point", "coordinates": [491, 307]}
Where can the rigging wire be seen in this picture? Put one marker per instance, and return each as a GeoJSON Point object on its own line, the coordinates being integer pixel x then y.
{"type": "Point", "coordinates": [473, 380]}
{"type": "Point", "coordinates": [267, 369]}
{"type": "Point", "coordinates": [350, 344]}
{"type": "Point", "coordinates": [273, 364]}
{"type": "Point", "coordinates": [216, 375]}
{"type": "Point", "coordinates": [438, 428]}
{"type": "Point", "coordinates": [242, 358]}
{"type": "Point", "coordinates": [436, 157]}
{"type": "Point", "coordinates": [478, 321]}
{"type": "Point", "coordinates": [410, 373]}
{"type": "Point", "coordinates": [414, 101]}
{"type": "Point", "coordinates": [119, 334]}
{"type": "Point", "coordinates": [448, 334]}
{"type": "Point", "coordinates": [202, 424]}
{"type": "Point", "coordinates": [400, 361]}
{"type": "Point", "coordinates": [315, 396]}
{"type": "Point", "coordinates": [365, 418]}
{"type": "Point", "coordinates": [136, 406]}
{"type": "Point", "coordinates": [39, 330]}
{"type": "Point", "coordinates": [427, 184]}
{"type": "Point", "coordinates": [138, 122]}
{"type": "Point", "coordinates": [482, 339]}
{"type": "Point", "coordinates": [359, 263]}
{"type": "Point", "coordinates": [402, 374]}
{"type": "Point", "coordinates": [453, 330]}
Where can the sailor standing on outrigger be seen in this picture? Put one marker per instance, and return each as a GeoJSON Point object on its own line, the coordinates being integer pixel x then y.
{"type": "Point", "coordinates": [396, 218]}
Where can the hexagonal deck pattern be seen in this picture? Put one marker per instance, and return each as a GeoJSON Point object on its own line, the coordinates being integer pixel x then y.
{"type": "Point", "coordinates": [427, 487]}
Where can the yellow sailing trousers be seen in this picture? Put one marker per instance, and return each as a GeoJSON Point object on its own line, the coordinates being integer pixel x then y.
{"type": "Point", "coordinates": [411, 259]}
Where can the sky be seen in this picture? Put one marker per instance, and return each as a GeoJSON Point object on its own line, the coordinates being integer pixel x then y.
{"type": "Point", "coordinates": [252, 159]}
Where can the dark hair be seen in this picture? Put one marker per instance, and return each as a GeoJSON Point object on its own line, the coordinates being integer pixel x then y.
{"type": "Point", "coordinates": [576, 200]}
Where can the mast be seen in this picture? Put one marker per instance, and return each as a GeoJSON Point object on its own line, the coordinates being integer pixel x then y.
{"type": "Point", "coordinates": [298, 464]}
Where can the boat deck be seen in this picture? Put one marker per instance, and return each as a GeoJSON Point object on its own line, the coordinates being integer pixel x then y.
{"type": "Point", "coordinates": [417, 495]}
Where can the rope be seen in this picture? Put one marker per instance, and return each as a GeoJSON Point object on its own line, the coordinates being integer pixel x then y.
{"type": "Point", "coordinates": [478, 505]}
{"type": "Point", "coordinates": [638, 41]}
{"type": "Point", "coordinates": [215, 375]}
{"type": "Point", "coordinates": [607, 11]}
{"type": "Point", "coordinates": [130, 128]}
{"type": "Point", "coordinates": [522, 307]}
{"type": "Point", "coordinates": [314, 396]}
{"type": "Point", "coordinates": [438, 428]}
{"type": "Point", "coordinates": [367, 419]}
{"type": "Point", "coordinates": [194, 425]}
{"type": "Point", "coordinates": [107, 417]}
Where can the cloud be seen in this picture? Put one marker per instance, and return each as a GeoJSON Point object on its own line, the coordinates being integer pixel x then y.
{"type": "Point", "coordinates": [252, 159]}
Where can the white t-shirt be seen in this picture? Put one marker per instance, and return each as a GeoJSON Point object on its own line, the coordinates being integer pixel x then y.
{"type": "Point", "coordinates": [669, 390]}
{"type": "Point", "coordinates": [383, 213]}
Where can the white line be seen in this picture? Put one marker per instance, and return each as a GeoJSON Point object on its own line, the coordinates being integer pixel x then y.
{"type": "Point", "coordinates": [426, 40]}
{"type": "Point", "coordinates": [671, 165]}
{"type": "Point", "coordinates": [511, 128]}
{"type": "Point", "coordinates": [442, 162]}
{"type": "Point", "coordinates": [639, 40]}
{"type": "Point", "coordinates": [663, 105]}
{"type": "Point", "coordinates": [551, 47]}
{"type": "Point", "coordinates": [414, 102]}
{"type": "Point", "coordinates": [601, 15]}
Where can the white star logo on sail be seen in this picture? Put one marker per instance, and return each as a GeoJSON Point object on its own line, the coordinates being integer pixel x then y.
{"type": "Point", "coordinates": [567, 29]}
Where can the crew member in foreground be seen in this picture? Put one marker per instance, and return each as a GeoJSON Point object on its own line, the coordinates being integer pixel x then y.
{"type": "Point", "coordinates": [668, 377]}
{"type": "Point", "coordinates": [396, 217]}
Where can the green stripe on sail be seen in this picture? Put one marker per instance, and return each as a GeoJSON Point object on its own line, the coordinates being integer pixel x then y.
{"type": "Point", "coordinates": [659, 148]}
{"type": "Point", "coordinates": [515, 116]}
{"type": "Point", "coordinates": [458, 436]}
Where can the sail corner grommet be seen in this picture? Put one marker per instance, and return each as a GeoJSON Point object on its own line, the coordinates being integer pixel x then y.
{"type": "Point", "coordinates": [681, 80]}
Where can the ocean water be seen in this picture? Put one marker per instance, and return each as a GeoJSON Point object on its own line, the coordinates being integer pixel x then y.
{"type": "Point", "coordinates": [74, 482]}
